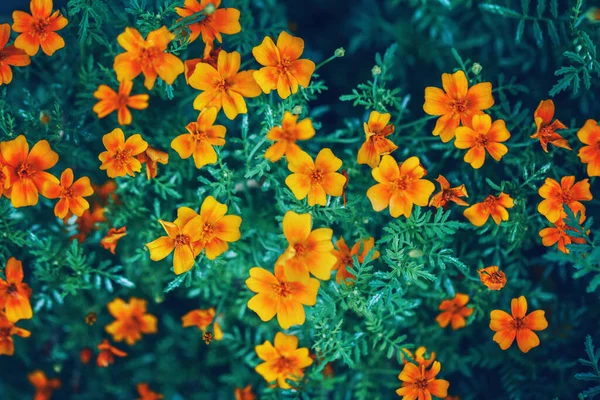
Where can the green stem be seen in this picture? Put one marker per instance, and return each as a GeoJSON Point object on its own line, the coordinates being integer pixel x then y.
{"type": "Point", "coordinates": [338, 53]}
{"type": "Point", "coordinates": [190, 19]}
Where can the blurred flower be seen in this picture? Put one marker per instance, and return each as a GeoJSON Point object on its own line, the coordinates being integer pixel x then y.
{"type": "Point", "coordinates": [109, 242]}
{"type": "Point", "coordinates": [105, 191]}
{"type": "Point", "coordinates": [245, 393]}
{"type": "Point", "coordinates": [9, 55]}
{"type": "Point", "coordinates": [492, 277]}
{"type": "Point", "coordinates": [7, 330]}
{"type": "Point", "coordinates": [344, 257]}
{"type": "Point", "coordinates": [560, 234]}
{"type": "Point", "coordinates": [44, 387]}
{"type": "Point", "coordinates": [418, 357]}
{"type": "Point", "coordinates": [152, 157]}
{"type": "Point", "coordinates": [4, 182]}
{"type": "Point", "coordinates": [286, 135]}
{"type": "Point", "coordinates": [448, 194]}
{"type": "Point", "coordinates": [45, 117]}
{"type": "Point", "coordinates": [454, 311]}
{"type": "Point", "coordinates": [376, 143]}
{"type": "Point", "coordinates": [86, 224]}
{"type": "Point", "coordinates": [593, 14]}
{"type": "Point", "coordinates": [14, 293]}
{"type": "Point", "coordinates": [284, 361]}
{"type": "Point", "coordinates": [202, 319]}
{"type": "Point", "coordinates": [119, 159]}
{"type": "Point", "coordinates": [546, 129]}
{"type": "Point", "coordinates": [91, 318]}
{"type": "Point", "coordinates": [85, 355]}
{"type": "Point", "coordinates": [107, 354]}
{"type": "Point", "coordinates": [590, 154]}
{"type": "Point", "coordinates": [479, 213]}
{"type": "Point", "coordinates": [147, 394]}
{"type": "Point", "coordinates": [483, 135]}
{"type": "Point", "coordinates": [71, 194]}
{"type": "Point", "coordinates": [111, 101]}
{"type": "Point", "coordinates": [556, 196]}
{"type": "Point", "coordinates": [39, 28]}
{"type": "Point", "coordinates": [131, 320]}
{"type": "Point", "coordinates": [418, 382]}
{"type": "Point", "coordinates": [216, 20]}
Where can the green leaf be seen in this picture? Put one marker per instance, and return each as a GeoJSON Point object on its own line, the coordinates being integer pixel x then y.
{"type": "Point", "coordinates": [499, 10]}
{"type": "Point", "coordinates": [520, 29]}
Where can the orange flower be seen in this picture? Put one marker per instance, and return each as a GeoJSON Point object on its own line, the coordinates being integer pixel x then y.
{"type": "Point", "coordinates": [400, 186]}
{"type": "Point", "coordinates": [456, 103]}
{"type": "Point", "coordinates": [479, 213]}
{"type": "Point", "coordinates": [219, 20]}
{"type": "Point", "coordinates": [560, 234]}
{"type": "Point", "coordinates": [276, 295]}
{"type": "Point", "coordinates": [119, 159]}
{"type": "Point", "coordinates": [106, 191]}
{"type": "Point", "coordinates": [14, 293]}
{"type": "Point", "coordinates": [448, 194]}
{"type": "Point", "coordinates": [39, 28]}
{"type": "Point", "coordinates": [308, 252]}
{"type": "Point", "coordinates": [492, 277]}
{"type": "Point", "coordinates": [147, 394]}
{"type": "Point", "coordinates": [147, 56]}
{"type": "Point", "coordinates": [109, 242]}
{"type": "Point", "coordinates": [9, 55]}
{"type": "Point", "coordinates": [418, 357]}
{"type": "Point", "coordinates": [7, 330]}
{"type": "Point", "coordinates": [152, 157]}
{"type": "Point", "coordinates": [202, 319]}
{"type": "Point", "coordinates": [590, 154]}
{"type": "Point", "coordinates": [26, 170]}
{"type": "Point", "coordinates": [518, 325]}
{"type": "Point", "coordinates": [210, 57]}
{"type": "Point", "coordinates": [245, 393]}
{"type": "Point", "coordinates": [4, 182]}
{"type": "Point", "coordinates": [418, 382]}
{"type": "Point", "coordinates": [86, 224]}
{"type": "Point", "coordinates": [201, 137]}
{"type": "Point", "coordinates": [345, 255]}
{"type": "Point", "coordinates": [284, 361]}
{"type": "Point", "coordinates": [44, 387]}
{"type": "Point", "coordinates": [593, 14]}
{"type": "Point", "coordinates": [111, 101]}
{"type": "Point", "coordinates": [85, 355]}
{"type": "Point", "coordinates": [286, 135]}
{"type": "Point", "coordinates": [71, 194]}
{"type": "Point", "coordinates": [546, 129]}
{"type": "Point", "coordinates": [283, 69]}
{"type": "Point", "coordinates": [483, 135]}
{"type": "Point", "coordinates": [454, 311]}
{"type": "Point", "coordinates": [315, 179]}
{"type": "Point", "coordinates": [567, 193]}
{"type": "Point", "coordinates": [376, 144]}
{"type": "Point", "coordinates": [131, 320]}
{"type": "Point", "coordinates": [107, 354]}
{"type": "Point", "coordinates": [224, 87]}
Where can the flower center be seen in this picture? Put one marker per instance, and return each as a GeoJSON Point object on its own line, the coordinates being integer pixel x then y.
{"type": "Point", "coordinates": [347, 260]}
{"type": "Point", "coordinates": [459, 106]}
{"type": "Point", "coordinates": [482, 140]}
{"type": "Point", "coordinates": [518, 323]}
{"type": "Point", "coordinates": [4, 332]}
{"type": "Point", "coordinates": [223, 85]}
{"type": "Point", "coordinates": [401, 183]}
{"type": "Point", "coordinates": [39, 28]}
{"type": "Point", "coordinates": [300, 249]}
{"type": "Point", "coordinates": [122, 100]}
{"type": "Point", "coordinates": [421, 384]}
{"type": "Point", "coordinates": [284, 65]}
{"type": "Point", "coordinates": [182, 240]}
{"type": "Point", "coordinates": [489, 202]}
{"type": "Point", "coordinates": [122, 157]}
{"type": "Point", "coordinates": [199, 136]}
{"type": "Point", "coordinates": [68, 193]}
{"type": "Point", "coordinates": [25, 171]}
{"type": "Point", "coordinates": [208, 232]}
{"type": "Point", "coordinates": [316, 176]}
{"type": "Point", "coordinates": [149, 55]}
{"type": "Point", "coordinates": [495, 277]}
{"type": "Point", "coordinates": [565, 196]}
{"type": "Point", "coordinates": [282, 290]}
{"type": "Point", "coordinates": [284, 364]}
{"type": "Point", "coordinates": [12, 288]}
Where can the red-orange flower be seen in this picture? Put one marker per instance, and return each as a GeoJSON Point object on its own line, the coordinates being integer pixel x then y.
{"type": "Point", "coordinates": [152, 156]}
{"type": "Point", "coordinates": [284, 361]}
{"type": "Point", "coordinates": [480, 136]}
{"type": "Point", "coordinates": [88, 222]}
{"type": "Point", "coordinates": [109, 242]}
{"type": "Point", "coordinates": [283, 69]}
{"type": "Point", "coordinates": [245, 393]}
{"type": "Point", "coordinates": [556, 196]}
{"type": "Point", "coordinates": [131, 320]}
{"type": "Point", "coordinates": [590, 154]}
{"type": "Point", "coordinates": [147, 56]}
{"type": "Point", "coordinates": [107, 354]}
{"type": "Point", "coordinates": [519, 326]}
{"type": "Point", "coordinates": [419, 356]}
{"type": "Point", "coordinates": [418, 382]}
{"type": "Point", "coordinates": [71, 194]}
{"type": "Point", "coordinates": [44, 387]}
{"type": "Point", "coordinates": [119, 157]}
{"type": "Point", "coordinates": [85, 355]}
{"type": "Point", "coordinates": [9, 55]}
{"type": "Point", "coordinates": [559, 234]}
{"type": "Point", "coordinates": [111, 101]}
{"type": "Point", "coordinates": [456, 103]}
{"type": "Point", "coordinates": [345, 256]}
{"type": "Point", "coordinates": [454, 312]}
{"type": "Point", "coordinates": [479, 213]}
{"type": "Point", "coordinates": [7, 330]}
{"type": "Point", "coordinates": [448, 194]}
{"type": "Point", "coordinates": [546, 129]}
{"type": "Point", "coordinates": [203, 319]}
{"type": "Point", "coordinates": [286, 136]}
{"type": "Point", "coordinates": [39, 28]}
{"type": "Point", "coordinates": [219, 20]}
{"type": "Point", "coordinates": [14, 293]}
{"type": "Point", "coordinates": [492, 277]}
{"type": "Point", "coordinates": [146, 393]}
{"type": "Point", "coordinates": [376, 143]}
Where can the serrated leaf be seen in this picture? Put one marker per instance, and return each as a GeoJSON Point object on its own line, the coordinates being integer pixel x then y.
{"type": "Point", "coordinates": [541, 7]}
{"type": "Point", "coordinates": [520, 29]}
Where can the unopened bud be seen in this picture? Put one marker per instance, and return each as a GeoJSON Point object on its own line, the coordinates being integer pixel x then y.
{"type": "Point", "coordinates": [340, 52]}
{"type": "Point", "coordinates": [209, 9]}
{"type": "Point", "coordinates": [415, 253]}
{"type": "Point", "coordinates": [376, 70]}
{"type": "Point", "coordinates": [476, 68]}
{"type": "Point", "coordinates": [297, 110]}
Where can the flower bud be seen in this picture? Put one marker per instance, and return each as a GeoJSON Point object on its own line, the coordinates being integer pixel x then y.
{"type": "Point", "coordinates": [476, 68]}
{"type": "Point", "coordinates": [340, 52]}
{"type": "Point", "coordinates": [376, 70]}
{"type": "Point", "coordinates": [209, 9]}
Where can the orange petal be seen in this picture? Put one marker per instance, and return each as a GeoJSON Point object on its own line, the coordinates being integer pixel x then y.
{"type": "Point", "coordinates": [505, 338]}
{"type": "Point", "coordinates": [296, 227]}
{"type": "Point", "coordinates": [479, 97]}
{"type": "Point", "coordinates": [290, 47]}
{"type": "Point", "coordinates": [519, 307]}
{"type": "Point", "coordinates": [527, 340]}
{"type": "Point", "coordinates": [545, 111]}
{"type": "Point", "coordinates": [266, 53]}
{"type": "Point", "coordinates": [264, 305]}
{"type": "Point", "coordinates": [436, 102]}
{"type": "Point", "coordinates": [536, 321]}
{"type": "Point", "coordinates": [455, 85]}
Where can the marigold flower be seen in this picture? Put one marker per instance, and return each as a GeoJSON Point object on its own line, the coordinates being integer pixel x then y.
{"type": "Point", "coordinates": [448, 194]}
{"type": "Point", "coordinates": [201, 137]}
{"type": "Point", "coordinates": [4, 183]}
{"type": "Point", "coordinates": [9, 55]}
{"type": "Point", "coordinates": [131, 320]}
{"type": "Point", "coordinates": [286, 135]}
{"type": "Point", "coordinates": [106, 191]}
{"type": "Point", "coordinates": [400, 186]}
{"type": "Point", "coordinates": [418, 357]}
{"type": "Point", "coordinates": [344, 256]}
{"type": "Point", "coordinates": [556, 196]}
{"type": "Point", "coordinates": [39, 28]}
{"type": "Point", "coordinates": [85, 355]}
{"type": "Point", "coordinates": [276, 295]}
{"type": "Point", "coordinates": [308, 252]}
{"type": "Point", "coordinates": [107, 354]}
{"type": "Point", "coordinates": [559, 234]}
{"type": "Point", "coordinates": [315, 179]}
{"type": "Point", "coordinates": [492, 277]}
{"type": "Point", "coordinates": [418, 382]}
{"type": "Point", "coordinates": [146, 393]}
{"type": "Point", "coordinates": [482, 135]}
{"type": "Point", "coordinates": [221, 20]}
{"type": "Point", "coordinates": [14, 293]}
{"type": "Point", "coordinates": [284, 361]}
{"type": "Point", "coordinates": [71, 194]}
{"type": "Point", "coordinates": [26, 170]}
{"type": "Point", "coordinates": [109, 242]}
{"type": "Point", "coordinates": [91, 318]}
{"type": "Point", "coordinates": [111, 101]}
{"type": "Point", "coordinates": [456, 103]}
{"type": "Point", "coordinates": [376, 143]}
{"type": "Point", "coordinates": [210, 57]}
{"type": "Point", "coordinates": [119, 159]}
{"type": "Point", "coordinates": [88, 222]}
{"type": "Point", "coordinates": [202, 319]}
{"type": "Point", "coordinates": [152, 157]}
{"type": "Point", "coordinates": [283, 69]}
{"type": "Point", "coordinates": [518, 326]}
{"type": "Point", "coordinates": [44, 387]}
{"type": "Point", "coordinates": [454, 311]}
{"type": "Point", "coordinates": [479, 213]}
{"type": "Point", "coordinates": [147, 56]}
{"type": "Point", "coordinates": [245, 393]}
{"type": "Point", "coordinates": [225, 86]}
{"type": "Point", "coordinates": [546, 129]}
{"type": "Point", "coordinates": [589, 134]}
{"type": "Point", "coordinates": [7, 330]}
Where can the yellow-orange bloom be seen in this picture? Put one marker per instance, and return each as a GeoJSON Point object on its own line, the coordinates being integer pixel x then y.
{"type": "Point", "coordinates": [111, 101]}
{"type": "Point", "coordinates": [376, 143]}
{"type": "Point", "coordinates": [14, 293]}
{"type": "Point", "coordinates": [454, 312]}
{"type": "Point", "coordinates": [315, 179]}
{"type": "Point", "coordinates": [456, 103]}
{"type": "Point", "coordinates": [276, 295]}
{"type": "Point", "coordinates": [119, 159]}
{"type": "Point", "coordinates": [546, 129]}
{"type": "Point", "coordinates": [131, 320]}
{"type": "Point", "coordinates": [203, 319]}
{"type": "Point", "coordinates": [284, 361]}
{"type": "Point", "coordinates": [225, 86]}
{"type": "Point", "coordinates": [44, 387]}
{"type": "Point", "coordinates": [9, 55]}
{"type": "Point", "coordinates": [107, 354]}
{"type": "Point", "coordinates": [152, 157]}
{"type": "Point", "coordinates": [26, 170]}
{"type": "Point", "coordinates": [519, 326]}
{"type": "Point", "coordinates": [559, 234]}
{"type": "Point", "coordinates": [39, 28]}
{"type": "Point", "coordinates": [400, 186]}
{"type": "Point", "coordinates": [556, 196]}
{"type": "Point", "coordinates": [589, 135]}
{"type": "Point", "coordinates": [283, 69]}
{"type": "Point", "coordinates": [201, 137]}
{"type": "Point", "coordinates": [492, 277]}
{"type": "Point", "coordinates": [146, 393]}
{"type": "Point", "coordinates": [344, 256]}
{"type": "Point", "coordinates": [308, 252]}
{"type": "Point", "coordinates": [221, 20]}
{"type": "Point", "coordinates": [418, 382]}
{"type": "Point", "coordinates": [286, 135]}
{"type": "Point", "coordinates": [109, 242]}
{"type": "Point", "coordinates": [147, 56]}
{"type": "Point", "coordinates": [482, 135]}
{"type": "Point", "coordinates": [418, 357]}
{"type": "Point", "coordinates": [479, 213]}
{"type": "Point", "coordinates": [448, 194]}
{"type": "Point", "coordinates": [7, 330]}
{"type": "Point", "coordinates": [71, 194]}
{"type": "Point", "coordinates": [245, 393]}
